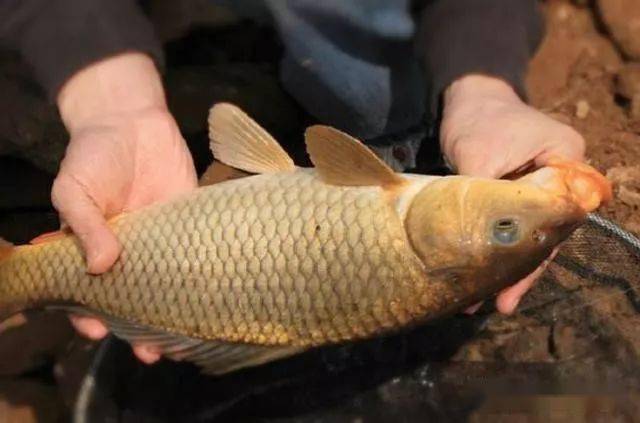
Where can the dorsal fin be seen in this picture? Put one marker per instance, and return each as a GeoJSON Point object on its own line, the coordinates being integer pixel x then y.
{"type": "Point", "coordinates": [239, 141]}
{"type": "Point", "coordinates": [343, 160]}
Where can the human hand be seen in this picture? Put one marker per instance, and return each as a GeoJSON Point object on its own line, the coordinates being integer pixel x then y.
{"type": "Point", "coordinates": [123, 153]}
{"type": "Point", "coordinates": [487, 130]}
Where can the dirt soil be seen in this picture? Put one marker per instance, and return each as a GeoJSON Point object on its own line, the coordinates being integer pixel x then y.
{"type": "Point", "coordinates": [581, 77]}
{"type": "Point", "coordinates": [570, 331]}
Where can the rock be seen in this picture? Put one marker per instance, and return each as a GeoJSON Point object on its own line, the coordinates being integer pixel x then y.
{"type": "Point", "coordinates": [628, 86]}
{"type": "Point", "coordinates": [609, 302]}
{"type": "Point", "coordinates": [531, 345]}
{"type": "Point", "coordinates": [567, 343]}
{"type": "Point", "coordinates": [628, 81]}
{"type": "Point", "coordinates": [570, 36]}
{"type": "Point", "coordinates": [556, 408]}
{"type": "Point", "coordinates": [582, 109]}
{"type": "Point", "coordinates": [632, 224]}
{"type": "Point", "coordinates": [622, 19]}
{"type": "Point", "coordinates": [626, 180]}
{"type": "Point", "coordinates": [634, 112]}
{"type": "Point", "coordinates": [479, 350]}
{"type": "Point", "coordinates": [623, 174]}
{"type": "Point", "coordinates": [614, 320]}
{"type": "Point", "coordinates": [629, 196]}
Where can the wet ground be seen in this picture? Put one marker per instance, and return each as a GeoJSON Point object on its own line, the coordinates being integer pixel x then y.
{"type": "Point", "coordinates": [571, 353]}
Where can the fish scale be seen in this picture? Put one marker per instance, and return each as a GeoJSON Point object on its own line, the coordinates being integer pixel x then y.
{"type": "Point", "coordinates": [281, 259]}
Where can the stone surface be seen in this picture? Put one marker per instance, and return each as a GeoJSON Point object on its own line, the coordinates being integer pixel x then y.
{"type": "Point", "coordinates": [628, 86]}
{"type": "Point", "coordinates": [628, 83]}
{"type": "Point", "coordinates": [622, 19]}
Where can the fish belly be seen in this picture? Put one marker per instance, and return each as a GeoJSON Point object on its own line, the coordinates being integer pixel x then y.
{"type": "Point", "coordinates": [279, 259]}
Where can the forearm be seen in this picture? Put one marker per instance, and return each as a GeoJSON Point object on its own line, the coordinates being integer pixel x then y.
{"type": "Point", "coordinates": [487, 37]}
{"type": "Point", "coordinates": [118, 86]}
{"type": "Point", "coordinates": [60, 37]}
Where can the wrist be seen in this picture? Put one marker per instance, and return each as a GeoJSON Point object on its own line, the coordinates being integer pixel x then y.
{"type": "Point", "coordinates": [117, 86]}
{"type": "Point", "coordinates": [476, 86]}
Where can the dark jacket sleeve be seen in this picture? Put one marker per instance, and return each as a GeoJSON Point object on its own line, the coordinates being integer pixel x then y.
{"type": "Point", "coordinates": [59, 37]}
{"type": "Point", "coordinates": [492, 37]}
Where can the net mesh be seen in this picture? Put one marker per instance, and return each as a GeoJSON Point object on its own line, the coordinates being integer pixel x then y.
{"type": "Point", "coordinates": [601, 252]}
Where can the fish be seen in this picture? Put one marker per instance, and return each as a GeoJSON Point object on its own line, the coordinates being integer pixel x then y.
{"type": "Point", "coordinates": [255, 269]}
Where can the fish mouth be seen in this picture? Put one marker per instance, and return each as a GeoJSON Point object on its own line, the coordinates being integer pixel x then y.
{"type": "Point", "coordinates": [561, 232]}
{"type": "Point", "coordinates": [558, 229]}
{"type": "Point", "coordinates": [576, 182]}
{"type": "Point", "coordinates": [587, 187]}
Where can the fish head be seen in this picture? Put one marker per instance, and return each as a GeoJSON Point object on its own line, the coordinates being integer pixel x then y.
{"type": "Point", "coordinates": [485, 234]}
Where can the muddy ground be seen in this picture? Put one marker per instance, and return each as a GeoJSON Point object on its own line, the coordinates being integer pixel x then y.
{"type": "Point", "coordinates": [571, 353]}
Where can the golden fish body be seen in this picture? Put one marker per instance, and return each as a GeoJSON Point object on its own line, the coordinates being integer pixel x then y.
{"type": "Point", "coordinates": [255, 269]}
{"type": "Point", "coordinates": [271, 259]}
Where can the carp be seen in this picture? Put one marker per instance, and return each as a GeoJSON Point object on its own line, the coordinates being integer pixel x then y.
{"type": "Point", "coordinates": [255, 269]}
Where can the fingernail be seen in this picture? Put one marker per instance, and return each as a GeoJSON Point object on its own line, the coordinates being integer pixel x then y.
{"type": "Point", "coordinates": [93, 262]}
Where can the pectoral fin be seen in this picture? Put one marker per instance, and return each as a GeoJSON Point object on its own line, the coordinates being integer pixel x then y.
{"type": "Point", "coordinates": [343, 160]}
{"type": "Point", "coordinates": [213, 357]}
{"type": "Point", "coordinates": [239, 141]}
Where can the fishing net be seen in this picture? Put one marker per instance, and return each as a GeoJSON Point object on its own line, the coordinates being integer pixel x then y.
{"type": "Point", "coordinates": [601, 252]}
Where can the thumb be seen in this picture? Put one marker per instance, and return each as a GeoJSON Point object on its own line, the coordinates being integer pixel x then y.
{"type": "Point", "coordinates": [87, 222]}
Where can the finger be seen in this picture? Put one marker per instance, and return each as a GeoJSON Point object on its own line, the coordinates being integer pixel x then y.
{"type": "Point", "coordinates": [508, 299]}
{"type": "Point", "coordinates": [474, 308]}
{"type": "Point", "coordinates": [87, 222]}
{"type": "Point", "coordinates": [89, 327]}
{"type": "Point", "coordinates": [146, 354]}
{"type": "Point", "coordinates": [572, 147]}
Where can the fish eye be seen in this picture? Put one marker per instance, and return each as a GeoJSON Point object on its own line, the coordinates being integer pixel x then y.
{"type": "Point", "coordinates": [506, 231]}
